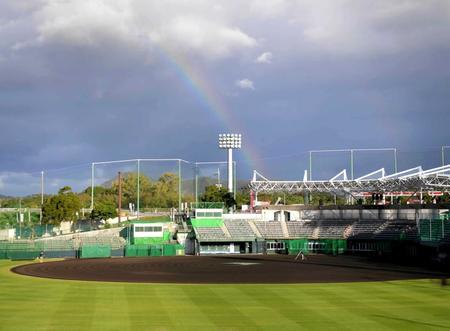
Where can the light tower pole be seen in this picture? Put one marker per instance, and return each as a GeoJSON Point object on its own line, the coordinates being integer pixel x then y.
{"type": "Point", "coordinates": [230, 141]}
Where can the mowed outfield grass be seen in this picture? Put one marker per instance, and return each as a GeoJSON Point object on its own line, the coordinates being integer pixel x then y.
{"type": "Point", "coordinates": [28, 303]}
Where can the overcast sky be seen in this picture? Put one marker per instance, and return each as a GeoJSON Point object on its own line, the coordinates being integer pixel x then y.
{"type": "Point", "coordinates": [84, 81]}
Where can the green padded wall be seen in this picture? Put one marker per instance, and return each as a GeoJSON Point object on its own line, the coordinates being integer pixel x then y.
{"type": "Point", "coordinates": [95, 251]}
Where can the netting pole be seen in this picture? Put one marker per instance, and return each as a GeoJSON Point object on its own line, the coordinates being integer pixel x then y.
{"type": "Point", "coordinates": [196, 183]}
{"type": "Point", "coordinates": [138, 184]}
{"type": "Point", "coordinates": [351, 163]}
{"type": "Point", "coordinates": [42, 197]}
{"type": "Point", "coordinates": [179, 185]}
{"type": "Point", "coordinates": [395, 161]}
{"type": "Point", "coordinates": [92, 186]}
{"type": "Point", "coordinates": [442, 156]}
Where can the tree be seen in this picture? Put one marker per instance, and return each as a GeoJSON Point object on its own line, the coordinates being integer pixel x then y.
{"type": "Point", "coordinates": [218, 194]}
{"type": "Point", "coordinates": [129, 188]}
{"type": "Point", "coordinates": [104, 210]}
{"type": "Point", "coordinates": [105, 203]}
{"type": "Point", "coordinates": [61, 207]}
{"type": "Point", "coordinates": [165, 193]}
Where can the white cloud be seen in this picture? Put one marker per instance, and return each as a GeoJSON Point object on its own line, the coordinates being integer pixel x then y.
{"type": "Point", "coordinates": [198, 27]}
{"type": "Point", "coordinates": [245, 84]}
{"type": "Point", "coordinates": [265, 57]}
{"type": "Point", "coordinates": [217, 31]}
{"type": "Point", "coordinates": [357, 27]}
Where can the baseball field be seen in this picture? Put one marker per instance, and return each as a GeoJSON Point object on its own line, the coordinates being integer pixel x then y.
{"type": "Point", "coordinates": [35, 303]}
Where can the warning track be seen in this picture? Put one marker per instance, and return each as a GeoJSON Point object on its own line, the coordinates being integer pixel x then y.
{"type": "Point", "coordinates": [224, 270]}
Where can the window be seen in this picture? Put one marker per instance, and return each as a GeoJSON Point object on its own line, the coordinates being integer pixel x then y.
{"type": "Point", "coordinates": [148, 229]}
{"type": "Point", "coordinates": [275, 246]}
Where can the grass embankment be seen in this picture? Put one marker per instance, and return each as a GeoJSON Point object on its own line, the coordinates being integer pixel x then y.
{"type": "Point", "coordinates": [29, 303]}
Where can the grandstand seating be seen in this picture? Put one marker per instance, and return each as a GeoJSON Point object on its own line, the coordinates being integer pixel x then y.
{"type": "Point", "coordinates": [395, 230]}
{"type": "Point", "coordinates": [333, 229]}
{"type": "Point", "coordinates": [301, 229]}
{"type": "Point", "coordinates": [365, 229]}
{"type": "Point", "coordinates": [270, 230]}
{"type": "Point", "coordinates": [239, 228]}
{"type": "Point", "coordinates": [211, 233]}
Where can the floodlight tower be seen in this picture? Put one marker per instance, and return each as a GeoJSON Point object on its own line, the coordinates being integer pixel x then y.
{"type": "Point", "coordinates": [230, 141]}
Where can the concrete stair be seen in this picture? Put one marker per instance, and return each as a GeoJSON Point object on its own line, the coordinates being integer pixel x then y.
{"type": "Point", "coordinates": [255, 229]}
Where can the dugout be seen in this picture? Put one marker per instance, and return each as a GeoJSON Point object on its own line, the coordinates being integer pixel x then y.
{"type": "Point", "coordinates": [230, 247]}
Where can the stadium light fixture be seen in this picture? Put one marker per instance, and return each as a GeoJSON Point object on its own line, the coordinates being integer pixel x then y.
{"type": "Point", "coordinates": [230, 141]}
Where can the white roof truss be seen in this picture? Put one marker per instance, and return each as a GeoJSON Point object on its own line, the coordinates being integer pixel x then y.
{"type": "Point", "coordinates": [372, 174]}
{"type": "Point", "coordinates": [415, 179]}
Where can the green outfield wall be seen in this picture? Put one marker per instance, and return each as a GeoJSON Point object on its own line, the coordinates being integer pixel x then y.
{"type": "Point", "coordinates": [95, 251]}
{"type": "Point", "coordinates": [142, 250]}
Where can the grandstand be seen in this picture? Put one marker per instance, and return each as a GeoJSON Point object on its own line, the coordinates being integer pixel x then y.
{"type": "Point", "coordinates": [333, 229]}
{"type": "Point", "coordinates": [350, 228]}
{"type": "Point", "coordinates": [365, 229]}
{"type": "Point", "coordinates": [270, 230]}
{"type": "Point", "coordinates": [211, 234]}
{"type": "Point", "coordinates": [239, 228]}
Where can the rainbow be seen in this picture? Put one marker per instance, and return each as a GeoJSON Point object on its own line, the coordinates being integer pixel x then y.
{"type": "Point", "coordinates": [192, 77]}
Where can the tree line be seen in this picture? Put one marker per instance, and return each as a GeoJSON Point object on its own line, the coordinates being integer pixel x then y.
{"type": "Point", "coordinates": [66, 205]}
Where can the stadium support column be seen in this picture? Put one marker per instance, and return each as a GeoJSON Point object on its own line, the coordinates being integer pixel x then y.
{"type": "Point", "coordinates": [230, 170]}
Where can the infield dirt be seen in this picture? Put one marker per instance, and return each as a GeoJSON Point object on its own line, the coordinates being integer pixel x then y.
{"type": "Point", "coordinates": [250, 269]}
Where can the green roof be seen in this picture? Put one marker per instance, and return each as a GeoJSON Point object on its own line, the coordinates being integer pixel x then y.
{"type": "Point", "coordinates": [207, 222]}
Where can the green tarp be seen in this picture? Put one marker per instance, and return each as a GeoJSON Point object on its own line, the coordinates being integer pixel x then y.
{"type": "Point", "coordinates": [297, 245]}
{"type": "Point", "coordinates": [325, 246]}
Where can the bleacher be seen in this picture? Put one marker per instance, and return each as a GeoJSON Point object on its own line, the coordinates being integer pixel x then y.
{"type": "Point", "coordinates": [270, 230]}
{"type": "Point", "coordinates": [210, 234]}
{"type": "Point", "coordinates": [239, 229]}
{"type": "Point", "coordinates": [301, 229]}
{"type": "Point", "coordinates": [365, 229]}
{"type": "Point", "coordinates": [55, 245]}
{"type": "Point", "coordinates": [333, 229]}
{"type": "Point", "coordinates": [397, 230]}
{"type": "Point", "coordinates": [109, 237]}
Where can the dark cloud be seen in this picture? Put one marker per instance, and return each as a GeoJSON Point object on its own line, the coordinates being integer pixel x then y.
{"type": "Point", "coordinates": [78, 88]}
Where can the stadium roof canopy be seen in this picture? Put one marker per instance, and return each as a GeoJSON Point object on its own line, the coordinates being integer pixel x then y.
{"type": "Point", "coordinates": [415, 179]}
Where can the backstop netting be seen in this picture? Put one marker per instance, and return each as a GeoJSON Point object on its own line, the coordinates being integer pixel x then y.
{"type": "Point", "coordinates": [212, 174]}
{"type": "Point", "coordinates": [147, 185]}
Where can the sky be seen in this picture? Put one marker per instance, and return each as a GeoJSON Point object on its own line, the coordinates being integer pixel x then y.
{"type": "Point", "coordinates": [85, 81]}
